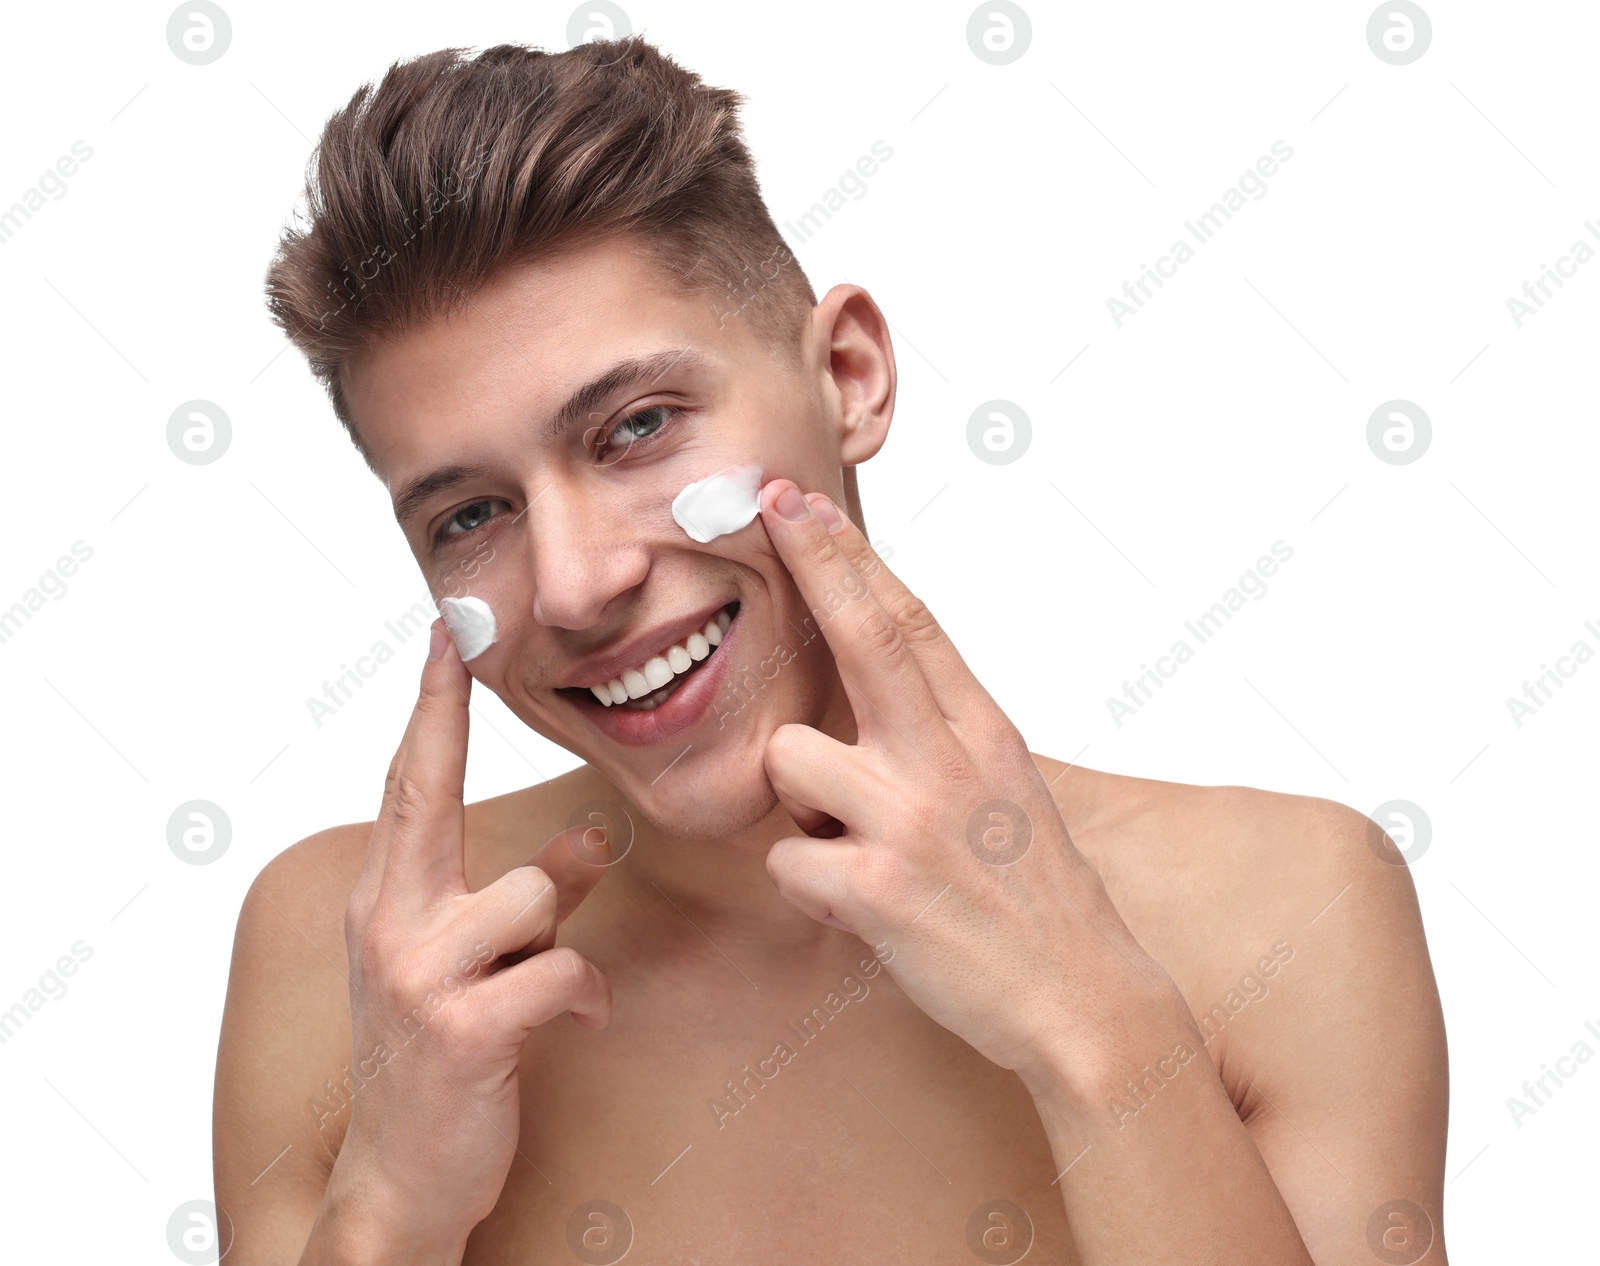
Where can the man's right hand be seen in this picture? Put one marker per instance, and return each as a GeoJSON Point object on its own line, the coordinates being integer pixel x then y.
{"type": "Point", "coordinates": [445, 986]}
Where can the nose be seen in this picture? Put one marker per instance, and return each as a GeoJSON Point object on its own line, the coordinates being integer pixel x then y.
{"type": "Point", "coordinates": [582, 557]}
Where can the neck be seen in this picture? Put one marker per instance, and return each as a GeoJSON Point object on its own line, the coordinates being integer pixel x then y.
{"type": "Point", "coordinates": [714, 899]}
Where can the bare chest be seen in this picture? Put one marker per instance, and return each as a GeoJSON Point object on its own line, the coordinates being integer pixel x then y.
{"type": "Point", "coordinates": [852, 1130]}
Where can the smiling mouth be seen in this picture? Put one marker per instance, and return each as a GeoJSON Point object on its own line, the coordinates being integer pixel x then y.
{"type": "Point", "coordinates": [647, 685]}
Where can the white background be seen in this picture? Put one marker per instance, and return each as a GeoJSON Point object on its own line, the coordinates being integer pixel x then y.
{"type": "Point", "coordinates": [1228, 414]}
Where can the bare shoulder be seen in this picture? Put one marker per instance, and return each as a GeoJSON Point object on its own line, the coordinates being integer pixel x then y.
{"type": "Point", "coordinates": [282, 1093]}
{"type": "Point", "coordinates": [285, 1039]}
{"type": "Point", "coordinates": [1291, 925]}
{"type": "Point", "coordinates": [1210, 874]}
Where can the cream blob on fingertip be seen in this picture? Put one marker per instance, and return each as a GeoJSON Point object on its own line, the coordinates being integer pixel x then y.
{"type": "Point", "coordinates": [471, 625]}
{"type": "Point", "coordinates": [719, 504]}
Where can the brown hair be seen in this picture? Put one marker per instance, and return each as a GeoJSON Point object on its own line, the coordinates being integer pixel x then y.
{"type": "Point", "coordinates": [455, 167]}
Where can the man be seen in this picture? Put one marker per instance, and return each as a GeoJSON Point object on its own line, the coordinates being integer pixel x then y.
{"type": "Point", "coordinates": [855, 976]}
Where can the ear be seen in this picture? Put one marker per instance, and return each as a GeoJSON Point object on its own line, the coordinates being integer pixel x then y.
{"type": "Point", "coordinates": [861, 364]}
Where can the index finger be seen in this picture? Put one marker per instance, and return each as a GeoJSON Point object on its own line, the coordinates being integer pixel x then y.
{"type": "Point", "coordinates": [875, 663]}
{"type": "Point", "coordinates": [953, 684]}
{"type": "Point", "coordinates": [419, 839]}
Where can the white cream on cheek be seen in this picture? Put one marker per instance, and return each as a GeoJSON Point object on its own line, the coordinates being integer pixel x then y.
{"type": "Point", "coordinates": [719, 504]}
{"type": "Point", "coordinates": [709, 508]}
{"type": "Point", "coordinates": [471, 625]}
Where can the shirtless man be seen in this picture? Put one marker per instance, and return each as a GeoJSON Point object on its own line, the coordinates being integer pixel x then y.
{"type": "Point", "coordinates": [848, 974]}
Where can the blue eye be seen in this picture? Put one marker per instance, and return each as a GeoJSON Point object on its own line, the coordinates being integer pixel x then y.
{"type": "Point", "coordinates": [474, 512]}
{"type": "Point", "coordinates": [636, 428]}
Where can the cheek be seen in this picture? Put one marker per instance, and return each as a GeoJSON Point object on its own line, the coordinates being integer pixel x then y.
{"type": "Point", "coordinates": [472, 625]}
{"type": "Point", "coordinates": [719, 504]}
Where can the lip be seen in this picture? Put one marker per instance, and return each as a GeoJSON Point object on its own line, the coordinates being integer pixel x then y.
{"type": "Point", "coordinates": [635, 651]}
{"type": "Point", "coordinates": [684, 708]}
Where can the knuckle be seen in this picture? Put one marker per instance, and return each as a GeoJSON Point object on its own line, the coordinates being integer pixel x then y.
{"type": "Point", "coordinates": [866, 559]}
{"type": "Point", "coordinates": [410, 800]}
{"type": "Point", "coordinates": [415, 990]}
{"type": "Point", "coordinates": [433, 705]}
{"type": "Point", "coordinates": [821, 549]}
{"type": "Point", "coordinates": [429, 699]}
{"type": "Point", "coordinates": [415, 801]}
{"type": "Point", "coordinates": [404, 978]}
{"type": "Point", "coordinates": [880, 634]}
{"type": "Point", "coordinates": [1004, 729]}
{"type": "Point", "coordinates": [996, 735]}
{"type": "Point", "coordinates": [368, 953]}
{"type": "Point", "coordinates": [564, 970]}
{"type": "Point", "coordinates": [914, 618]}
{"type": "Point", "coordinates": [455, 1027]}
{"type": "Point", "coordinates": [1011, 741]}
{"type": "Point", "coordinates": [378, 949]}
{"type": "Point", "coordinates": [363, 894]}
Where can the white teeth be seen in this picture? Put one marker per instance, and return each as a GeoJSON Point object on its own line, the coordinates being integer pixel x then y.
{"type": "Point", "coordinates": [659, 670]}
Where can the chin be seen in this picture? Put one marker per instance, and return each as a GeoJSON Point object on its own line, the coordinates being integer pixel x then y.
{"type": "Point", "coordinates": [707, 808]}
{"type": "Point", "coordinates": [718, 785]}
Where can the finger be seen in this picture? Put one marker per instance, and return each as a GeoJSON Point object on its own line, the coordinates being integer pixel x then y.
{"type": "Point", "coordinates": [421, 827]}
{"type": "Point", "coordinates": [378, 842]}
{"type": "Point", "coordinates": [536, 991]}
{"type": "Point", "coordinates": [517, 912]}
{"type": "Point", "coordinates": [366, 889]}
{"type": "Point", "coordinates": [817, 778]}
{"type": "Point", "coordinates": [815, 877]}
{"type": "Point", "coordinates": [814, 822]}
{"type": "Point", "coordinates": [884, 682]}
{"type": "Point", "coordinates": [576, 859]}
{"type": "Point", "coordinates": [952, 682]}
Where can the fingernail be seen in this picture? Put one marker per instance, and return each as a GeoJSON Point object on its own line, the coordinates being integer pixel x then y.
{"type": "Point", "coordinates": [825, 510]}
{"type": "Point", "coordinates": [436, 643]}
{"type": "Point", "coordinates": [791, 505]}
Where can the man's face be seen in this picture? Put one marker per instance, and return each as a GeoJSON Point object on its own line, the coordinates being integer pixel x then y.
{"type": "Point", "coordinates": [564, 525]}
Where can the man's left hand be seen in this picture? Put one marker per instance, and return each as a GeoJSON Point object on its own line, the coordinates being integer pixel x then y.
{"type": "Point", "coordinates": [934, 831]}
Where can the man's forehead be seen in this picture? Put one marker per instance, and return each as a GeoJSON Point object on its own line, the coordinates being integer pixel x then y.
{"type": "Point", "coordinates": [554, 305]}
{"type": "Point", "coordinates": [546, 335]}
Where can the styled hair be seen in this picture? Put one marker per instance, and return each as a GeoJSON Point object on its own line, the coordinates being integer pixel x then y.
{"type": "Point", "coordinates": [454, 168]}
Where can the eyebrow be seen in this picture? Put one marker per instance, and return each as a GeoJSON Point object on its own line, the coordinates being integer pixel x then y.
{"type": "Point", "coordinates": [579, 405]}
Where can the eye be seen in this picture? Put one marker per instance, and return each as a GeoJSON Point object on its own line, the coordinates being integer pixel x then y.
{"type": "Point", "coordinates": [637, 428]}
{"type": "Point", "coordinates": [465, 521]}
